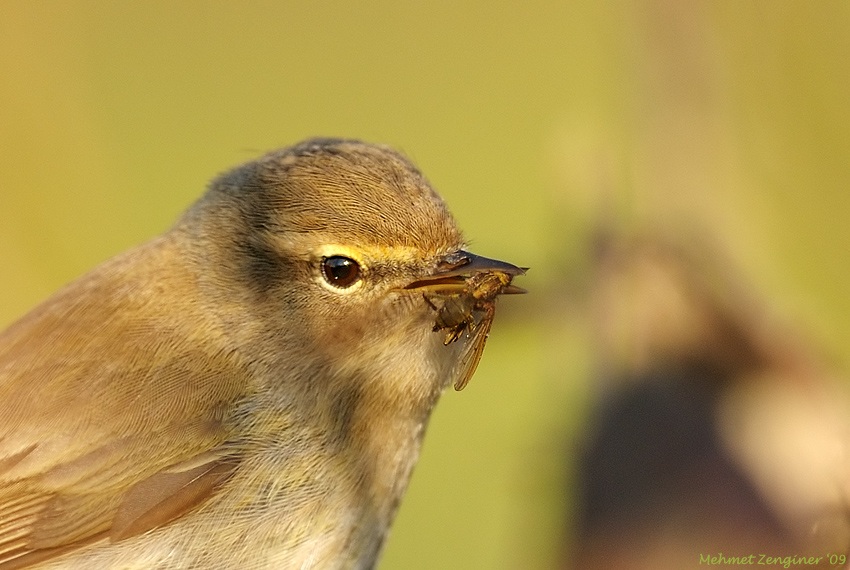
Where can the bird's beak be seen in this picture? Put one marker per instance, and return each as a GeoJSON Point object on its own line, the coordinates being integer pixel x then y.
{"type": "Point", "coordinates": [454, 269]}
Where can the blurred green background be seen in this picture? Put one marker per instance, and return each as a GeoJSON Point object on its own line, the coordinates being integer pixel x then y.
{"type": "Point", "coordinates": [532, 121]}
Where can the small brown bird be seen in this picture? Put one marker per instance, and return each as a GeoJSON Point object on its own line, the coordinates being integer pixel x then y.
{"type": "Point", "coordinates": [249, 390]}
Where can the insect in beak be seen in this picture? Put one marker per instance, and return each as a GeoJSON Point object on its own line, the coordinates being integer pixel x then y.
{"type": "Point", "coordinates": [463, 291]}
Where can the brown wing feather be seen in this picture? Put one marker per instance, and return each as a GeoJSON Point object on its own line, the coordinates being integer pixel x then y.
{"type": "Point", "coordinates": [105, 391]}
{"type": "Point", "coordinates": [165, 496]}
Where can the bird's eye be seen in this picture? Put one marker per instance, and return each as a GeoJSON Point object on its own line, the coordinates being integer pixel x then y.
{"type": "Point", "coordinates": [339, 271]}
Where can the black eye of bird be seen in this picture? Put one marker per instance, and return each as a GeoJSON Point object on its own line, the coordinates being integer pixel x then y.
{"type": "Point", "coordinates": [340, 271]}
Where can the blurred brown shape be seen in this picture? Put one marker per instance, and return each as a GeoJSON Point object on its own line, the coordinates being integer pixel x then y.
{"type": "Point", "coordinates": [717, 428]}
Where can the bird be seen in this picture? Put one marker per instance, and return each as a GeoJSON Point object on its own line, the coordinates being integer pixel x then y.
{"type": "Point", "coordinates": [251, 388]}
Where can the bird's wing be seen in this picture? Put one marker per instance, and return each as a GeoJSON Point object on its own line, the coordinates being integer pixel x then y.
{"type": "Point", "coordinates": [113, 411]}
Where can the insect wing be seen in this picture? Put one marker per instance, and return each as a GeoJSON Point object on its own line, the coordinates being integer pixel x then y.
{"type": "Point", "coordinates": [476, 338]}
